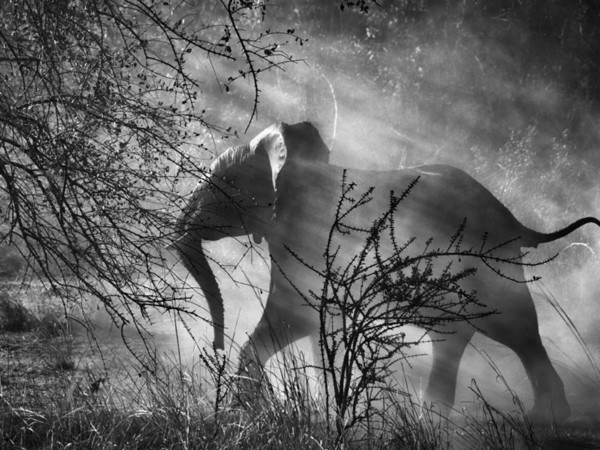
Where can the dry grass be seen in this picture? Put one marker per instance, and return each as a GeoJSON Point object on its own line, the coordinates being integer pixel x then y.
{"type": "Point", "coordinates": [59, 391]}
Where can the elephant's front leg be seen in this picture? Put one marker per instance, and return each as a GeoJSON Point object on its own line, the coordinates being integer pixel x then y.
{"type": "Point", "coordinates": [281, 324]}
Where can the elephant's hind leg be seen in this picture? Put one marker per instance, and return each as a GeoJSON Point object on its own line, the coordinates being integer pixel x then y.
{"type": "Point", "coordinates": [548, 389]}
{"type": "Point", "coordinates": [517, 328]}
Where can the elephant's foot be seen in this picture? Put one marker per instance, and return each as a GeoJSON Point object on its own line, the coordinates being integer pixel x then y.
{"type": "Point", "coordinates": [439, 401]}
{"type": "Point", "coordinates": [547, 410]}
{"type": "Point", "coordinates": [252, 384]}
{"type": "Point", "coordinates": [433, 411]}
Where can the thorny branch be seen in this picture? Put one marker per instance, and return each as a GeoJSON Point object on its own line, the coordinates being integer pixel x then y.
{"type": "Point", "coordinates": [101, 120]}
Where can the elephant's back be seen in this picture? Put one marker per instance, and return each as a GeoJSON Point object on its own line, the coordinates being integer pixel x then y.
{"type": "Point", "coordinates": [446, 195]}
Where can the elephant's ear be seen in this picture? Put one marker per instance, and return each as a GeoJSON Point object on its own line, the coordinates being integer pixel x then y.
{"type": "Point", "coordinates": [303, 142]}
{"type": "Point", "coordinates": [282, 142]}
{"type": "Point", "coordinates": [272, 143]}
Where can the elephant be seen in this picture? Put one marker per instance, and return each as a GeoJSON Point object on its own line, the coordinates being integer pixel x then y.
{"type": "Point", "coordinates": [281, 187]}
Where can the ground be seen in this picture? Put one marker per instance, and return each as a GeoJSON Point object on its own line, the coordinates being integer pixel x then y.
{"type": "Point", "coordinates": [51, 369]}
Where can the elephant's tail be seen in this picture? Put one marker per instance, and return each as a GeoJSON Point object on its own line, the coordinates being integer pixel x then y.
{"type": "Point", "coordinates": [537, 238]}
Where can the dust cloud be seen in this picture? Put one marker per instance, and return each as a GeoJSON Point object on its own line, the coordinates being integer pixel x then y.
{"type": "Point", "coordinates": [483, 90]}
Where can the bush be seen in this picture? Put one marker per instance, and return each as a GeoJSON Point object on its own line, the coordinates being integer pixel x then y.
{"type": "Point", "coordinates": [14, 316]}
{"type": "Point", "coordinates": [11, 263]}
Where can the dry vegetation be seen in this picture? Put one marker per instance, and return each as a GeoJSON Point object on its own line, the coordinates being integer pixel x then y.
{"type": "Point", "coordinates": [59, 389]}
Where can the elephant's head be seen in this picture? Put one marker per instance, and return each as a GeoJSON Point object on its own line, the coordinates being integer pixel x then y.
{"type": "Point", "coordinates": [237, 196]}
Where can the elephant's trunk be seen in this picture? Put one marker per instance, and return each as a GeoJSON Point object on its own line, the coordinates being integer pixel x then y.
{"type": "Point", "coordinates": [195, 261]}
